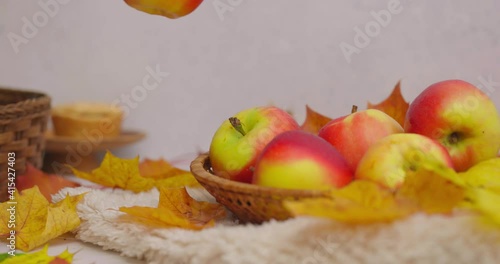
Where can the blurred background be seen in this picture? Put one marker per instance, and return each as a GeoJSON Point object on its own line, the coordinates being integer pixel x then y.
{"type": "Point", "coordinates": [230, 55]}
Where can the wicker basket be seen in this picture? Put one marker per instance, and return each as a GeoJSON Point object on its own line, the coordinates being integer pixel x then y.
{"type": "Point", "coordinates": [249, 203]}
{"type": "Point", "coordinates": [23, 121]}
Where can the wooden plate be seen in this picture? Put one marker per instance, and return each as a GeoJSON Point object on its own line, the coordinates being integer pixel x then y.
{"type": "Point", "coordinates": [60, 144]}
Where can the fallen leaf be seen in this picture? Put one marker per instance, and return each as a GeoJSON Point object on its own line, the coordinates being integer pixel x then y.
{"type": "Point", "coordinates": [485, 174]}
{"type": "Point", "coordinates": [178, 181]}
{"type": "Point", "coordinates": [131, 175]}
{"type": "Point", "coordinates": [314, 121]}
{"type": "Point", "coordinates": [360, 202]}
{"type": "Point", "coordinates": [167, 8]}
{"type": "Point", "coordinates": [117, 172]}
{"type": "Point", "coordinates": [36, 220]}
{"type": "Point", "coordinates": [394, 105]}
{"type": "Point", "coordinates": [41, 256]}
{"type": "Point", "coordinates": [176, 209]}
{"type": "Point", "coordinates": [158, 169]}
{"type": "Point", "coordinates": [167, 175]}
{"type": "Point", "coordinates": [433, 188]}
{"type": "Point", "coordinates": [48, 184]}
{"type": "Point", "coordinates": [486, 202]}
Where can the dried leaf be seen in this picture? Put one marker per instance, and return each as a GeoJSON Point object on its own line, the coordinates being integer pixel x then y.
{"type": "Point", "coordinates": [48, 184]}
{"type": "Point", "coordinates": [433, 188]}
{"type": "Point", "coordinates": [167, 8]}
{"type": "Point", "coordinates": [394, 105]}
{"type": "Point", "coordinates": [177, 209]}
{"type": "Point", "coordinates": [36, 220]}
{"type": "Point", "coordinates": [167, 175]}
{"type": "Point", "coordinates": [40, 257]}
{"type": "Point", "coordinates": [314, 121]}
{"type": "Point", "coordinates": [117, 172]}
{"type": "Point", "coordinates": [359, 202]}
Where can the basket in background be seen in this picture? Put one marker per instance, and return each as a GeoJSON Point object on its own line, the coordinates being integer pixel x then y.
{"type": "Point", "coordinates": [248, 202]}
{"type": "Point", "coordinates": [23, 122]}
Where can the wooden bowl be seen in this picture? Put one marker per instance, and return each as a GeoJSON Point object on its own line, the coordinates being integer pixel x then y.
{"type": "Point", "coordinates": [249, 203]}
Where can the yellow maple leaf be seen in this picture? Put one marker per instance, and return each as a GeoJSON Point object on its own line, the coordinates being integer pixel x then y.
{"type": "Point", "coordinates": [486, 202]}
{"type": "Point", "coordinates": [41, 256]}
{"type": "Point", "coordinates": [178, 181]}
{"type": "Point", "coordinates": [176, 209]}
{"type": "Point", "coordinates": [117, 172]}
{"type": "Point", "coordinates": [314, 121]}
{"type": "Point", "coordinates": [433, 188]}
{"type": "Point", "coordinates": [485, 174]}
{"type": "Point", "coordinates": [394, 105]}
{"type": "Point", "coordinates": [359, 202]}
{"type": "Point", "coordinates": [167, 175]}
{"type": "Point", "coordinates": [34, 220]}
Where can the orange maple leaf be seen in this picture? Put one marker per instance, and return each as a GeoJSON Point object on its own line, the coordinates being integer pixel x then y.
{"type": "Point", "coordinates": [176, 209]}
{"type": "Point", "coordinates": [394, 105]}
{"type": "Point", "coordinates": [314, 121]}
{"type": "Point", "coordinates": [166, 175]}
{"type": "Point", "coordinates": [47, 183]}
{"type": "Point", "coordinates": [37, 221]}
{"type": "Point", "coordinates": [167, 8]}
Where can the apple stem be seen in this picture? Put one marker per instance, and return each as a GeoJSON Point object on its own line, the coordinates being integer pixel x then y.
{"type": "Point", "coordinates": [354, 109]}
{"type": "Point", "coordinates": [236, 123]}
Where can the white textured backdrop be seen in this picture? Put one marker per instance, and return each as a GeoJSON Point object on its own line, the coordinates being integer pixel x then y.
{"type": "Point", "coordinates": [286, 52]}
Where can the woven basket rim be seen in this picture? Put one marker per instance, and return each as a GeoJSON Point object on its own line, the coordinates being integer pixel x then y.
{"type": "Point", "coordinates": [201, 172]}
{"type": "Point", "coordinates": [29, 102]}
{"type": "Point", "coordinates": [33, 93]}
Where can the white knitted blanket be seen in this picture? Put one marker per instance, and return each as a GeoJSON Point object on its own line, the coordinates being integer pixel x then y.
{"type": "Point", "coordinates": [418, 239]}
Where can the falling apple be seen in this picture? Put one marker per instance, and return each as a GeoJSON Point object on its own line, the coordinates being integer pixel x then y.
{"type": "Point", "coordinates": [301, 160]}
{"type": "Point", "coordinates": [167, 8]}
{"type": "Point", "coordinates": [461, 117]}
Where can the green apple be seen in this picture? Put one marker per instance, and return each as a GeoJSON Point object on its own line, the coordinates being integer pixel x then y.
{"type": "Point", "coordinates": [301, 160]}
{"type": "Point", "coordinates": [461, 117]}
{"type": "Point", "coordinates": [239, 140]}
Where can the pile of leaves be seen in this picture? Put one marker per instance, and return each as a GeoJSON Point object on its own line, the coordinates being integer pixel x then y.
{"type": "Point", "coordinates": [37, 221]}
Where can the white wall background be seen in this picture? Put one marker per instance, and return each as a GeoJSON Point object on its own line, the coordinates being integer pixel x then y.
{"type": "Point", "coordinates": [284, 52]}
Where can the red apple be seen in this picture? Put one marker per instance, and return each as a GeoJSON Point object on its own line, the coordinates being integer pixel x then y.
{"type": "Point", "coordinates": [238, 141]}
{"type": "Point", "coordinates": [167, 8]}
{"type": "Point", "coordinates": [461, 117]}
{"type": "Point", "coordinates": [388, 161]}
{"type": "Point", "coordinates": [353, 134]}
{"type": "Point", "coordinates": [301, 160]}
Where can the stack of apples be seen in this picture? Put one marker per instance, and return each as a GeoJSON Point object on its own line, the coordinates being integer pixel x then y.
{"type": "Point", "coordinates": [451, 123]}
